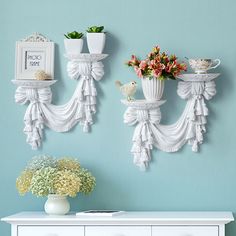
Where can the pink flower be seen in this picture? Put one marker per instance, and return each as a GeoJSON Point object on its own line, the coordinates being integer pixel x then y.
{"type": "Point", "coordinates": [182, 66]}
{"type": "Point", "coordinates": [150, 55]}
{"type": "Point", "coordinates": [156, 73]}
{"type": "Point", "coordinates": [138, 71]}
{"type": "Point", "coordinates": [133, 58]}
{"type": "Point", "coordinates": [168, 68]}
{"type": "Point", "coordinates": [134, 61]}
{"type": "Point", "coordinates": [153, 63]}
{"type": "Point", "coordinates": [129, 63]}
{"type": "Point", "coordinates": [157, 64]}
{"type": "Point", "coordinates": [143, 65]}
{"type": "Point", "coordinates": [161, 66]}
{"type": "Point", "coordinates": [175, 73]}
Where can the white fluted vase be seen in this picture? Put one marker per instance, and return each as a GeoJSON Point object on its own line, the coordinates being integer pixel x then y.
{"type": "Point", "coordinates": [56, 205]}
{"type": "Point", "coordinates": [153, 88]}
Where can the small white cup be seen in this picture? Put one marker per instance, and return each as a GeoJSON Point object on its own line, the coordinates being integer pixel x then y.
{"type": "Point", "coordinates": [201, 66]}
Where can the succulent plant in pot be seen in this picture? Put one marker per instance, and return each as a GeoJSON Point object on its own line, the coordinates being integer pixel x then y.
{"type": "Point", "coordinates": [96, 39]}
{"type": "Point", "coordinates": [73, 42]}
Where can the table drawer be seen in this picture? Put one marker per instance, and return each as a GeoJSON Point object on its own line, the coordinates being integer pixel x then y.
{"type": "Point", "coordinates": [185, 231]}
{"type": "Point", "coordinates": [50, 231]}
{"type": "Point", "coordinates": [118, 230]}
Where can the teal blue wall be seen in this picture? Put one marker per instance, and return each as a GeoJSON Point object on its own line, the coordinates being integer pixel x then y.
{"type": "Point", "coordinates": [179, 181]}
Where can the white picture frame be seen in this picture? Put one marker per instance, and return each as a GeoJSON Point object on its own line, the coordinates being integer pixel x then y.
{"type": "Point", "coordinates": [34, 53]}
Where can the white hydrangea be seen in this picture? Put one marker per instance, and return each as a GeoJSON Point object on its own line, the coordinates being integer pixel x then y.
{"type": "Point", "coordinates": [39, 162]}
{"type": "Point", "coordinates": [43, 181]}
{"type": "Point", "coordinates": [88, 181]}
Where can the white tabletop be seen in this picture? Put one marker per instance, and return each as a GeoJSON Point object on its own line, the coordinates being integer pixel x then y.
{"type": "Point", "coordinates": [127, 218]}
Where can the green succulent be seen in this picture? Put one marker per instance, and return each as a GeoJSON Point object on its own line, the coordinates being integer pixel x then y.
{"type": "Point", "coordinates": [95, 29]}
{"type": "Point", "coordinates": [74, 35]}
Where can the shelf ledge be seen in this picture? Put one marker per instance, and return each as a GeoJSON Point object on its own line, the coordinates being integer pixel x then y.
{"type": "Point", "coordinates": [86, 57]}
{"type": "Point", "coordinates": [28, 83]}
{"type": "Point", "coordinates": [143, 104]}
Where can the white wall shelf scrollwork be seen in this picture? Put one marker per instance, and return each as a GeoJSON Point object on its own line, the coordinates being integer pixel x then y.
{"type": "Point", "coordinates": [84, 67]}
{"type": "Point", "coordinates": [87, 68]}
{"type": "Point", "coordinates": [36, 37]}
{"type": "Point", "coordinates": [189, 128]}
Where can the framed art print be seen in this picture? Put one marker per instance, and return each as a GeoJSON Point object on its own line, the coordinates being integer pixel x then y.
{"type": "Point", "coordinates": [32, 55]}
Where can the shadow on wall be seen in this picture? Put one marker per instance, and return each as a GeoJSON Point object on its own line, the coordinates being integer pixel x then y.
{"type": "Point", "coordinates": [224, 85]}
{"type": "Point", "coordinates": [111, 48]}
{"type": "Point", "coordinates": [58, 87]}
{"type": "Point", "coordinates": [174, 106]}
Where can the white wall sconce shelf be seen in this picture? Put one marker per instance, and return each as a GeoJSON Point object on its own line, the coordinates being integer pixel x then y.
{"type": "Point", "coordinates": [84, 67]}
{"type": "Point", "coordinates": [33, 84]}
{"type": "Point", "coordinates": [86, 57]}
{"type": "Point", "coordinates": [189, 128]}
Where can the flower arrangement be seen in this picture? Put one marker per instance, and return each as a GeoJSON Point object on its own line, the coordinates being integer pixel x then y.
{"type": "Point", "coordinates": [158, 65]}
{"type": "Point", "coordinates": [46, 175]}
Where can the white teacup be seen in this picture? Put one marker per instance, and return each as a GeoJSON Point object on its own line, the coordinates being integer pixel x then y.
{"type": "Point", "coordinates": [201, 66]}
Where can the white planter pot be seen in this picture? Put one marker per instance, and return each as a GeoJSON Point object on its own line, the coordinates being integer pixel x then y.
{"type": "Point", "coordinates": [96, 42]}
{"type": "Point", "coordinates": [152, 88]}
{"type": "Point", "coordinates": [56, 205]}
{"type": "Point", "coordinates": [73, 46]}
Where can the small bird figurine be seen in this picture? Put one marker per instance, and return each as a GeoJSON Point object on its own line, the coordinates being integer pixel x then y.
{"type": "Point", "coordinates": [128, 90]}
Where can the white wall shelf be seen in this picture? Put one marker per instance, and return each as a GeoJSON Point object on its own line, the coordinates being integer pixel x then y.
{"type": "Point", "coordinates": [189, 128]}
{"type": "Point", "coordinates": [86, 68]}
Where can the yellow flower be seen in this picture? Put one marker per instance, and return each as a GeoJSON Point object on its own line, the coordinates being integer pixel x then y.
{"type": "Point", "coordinates": [23, 181]}
{"type": "Point", "coordinates": [66, 183]}
{"type": "Point", "coordinates": [68, 164]}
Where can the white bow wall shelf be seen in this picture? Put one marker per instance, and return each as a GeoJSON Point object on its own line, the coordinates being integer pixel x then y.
{"type": "Point", "coordinates": [86, 68]}
{"type": "Point", "coordinates": [189, 128]}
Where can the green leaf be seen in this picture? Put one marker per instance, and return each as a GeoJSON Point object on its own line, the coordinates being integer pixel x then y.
{"type": "Point", "coordinates": [74, 35]}
{"type": "Point", "coordinates": [95, 29]}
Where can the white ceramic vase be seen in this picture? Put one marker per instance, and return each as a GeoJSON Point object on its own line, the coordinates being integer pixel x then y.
{"type": "Point", "coordinates": [152, 88]}
{"type": "Point", "coordinates": [73, 46]}
{"type": "Point", "coordinates": [96, 42]}
{"type": "Point", "coordinates": [56, 205]}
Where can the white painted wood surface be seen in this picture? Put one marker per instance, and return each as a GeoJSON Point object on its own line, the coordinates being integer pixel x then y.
{"type": "Point", "coordinates": [127, 224]}
{"type": "Point", "coordinates": [185, 230]}
{"type": "Point", "coordinates": [117, 230]}
{"type": "Point", "coordinates": [135, 217]}
{"type": "Point", "coordinates": [50, 231]}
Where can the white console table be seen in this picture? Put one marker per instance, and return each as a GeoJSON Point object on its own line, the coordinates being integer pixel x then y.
{"type": "Point", "coordinates": [127, 224]}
